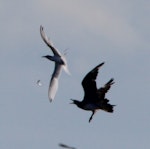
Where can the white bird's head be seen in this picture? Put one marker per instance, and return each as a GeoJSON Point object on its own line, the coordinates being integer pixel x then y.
{"type": "Point", "coordinates": [48, 57]}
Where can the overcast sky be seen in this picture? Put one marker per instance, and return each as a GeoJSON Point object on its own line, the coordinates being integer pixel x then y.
{"type": "Point", "coordinates": [117, 32]}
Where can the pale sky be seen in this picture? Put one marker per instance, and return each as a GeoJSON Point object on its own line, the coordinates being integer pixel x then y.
{"type": "Point", "coordinates": [117, 32]}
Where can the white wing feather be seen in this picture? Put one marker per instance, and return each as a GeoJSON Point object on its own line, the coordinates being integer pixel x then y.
{"type": "Point", "coordinates": [66, 69]}
{"type": "Point", "coordinates": [48, 42]}
{"type": "Point", "coordinates": [53, 89]}
{"type": "Point", "coordinates": [54, 82]}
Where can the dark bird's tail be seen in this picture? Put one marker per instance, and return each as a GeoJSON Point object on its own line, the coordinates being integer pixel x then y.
{"type": "Point", "coordinates": [106, 106]}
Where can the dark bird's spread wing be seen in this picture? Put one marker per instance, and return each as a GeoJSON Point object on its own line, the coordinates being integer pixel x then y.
{"type": "Point", "coordinates": [89, 84]}
{"type": "Point", "coordinates": [103, 90]}
{"type": "Point", "coordinates": [102, 101]}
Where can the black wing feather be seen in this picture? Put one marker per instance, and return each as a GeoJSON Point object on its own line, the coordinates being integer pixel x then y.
{"type": "Point", "coordinates": [103, 90]}
{"type": "Point", "coordinates": [89, 84]}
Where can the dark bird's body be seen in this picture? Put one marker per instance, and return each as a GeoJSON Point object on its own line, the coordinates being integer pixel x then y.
{"type": "Point", "coordinates": [94, 99]}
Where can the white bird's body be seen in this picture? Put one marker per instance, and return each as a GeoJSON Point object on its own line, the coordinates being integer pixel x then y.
{"type": "Point", "coordinates": [60, 62]}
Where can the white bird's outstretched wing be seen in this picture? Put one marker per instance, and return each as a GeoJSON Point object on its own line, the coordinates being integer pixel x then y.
{"type": "Point", "coordinates": [54, 82]}
{"type": "Point", "coordinates": [47, 41]}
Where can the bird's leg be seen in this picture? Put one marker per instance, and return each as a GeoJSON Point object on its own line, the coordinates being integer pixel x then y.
{"type": "Point", "coordinates": [93, 112]}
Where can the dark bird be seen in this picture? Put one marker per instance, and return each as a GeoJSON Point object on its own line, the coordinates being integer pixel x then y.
{"type": "Point", "coordinates": [94, 99]}
{"type": "Point", "coordinates": [66, 146]}
{"type": "Point", "coordinates": [60, 62]}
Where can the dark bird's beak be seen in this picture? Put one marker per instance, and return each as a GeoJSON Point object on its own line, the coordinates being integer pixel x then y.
{"type": "Point", "coordinates": [72, 101]}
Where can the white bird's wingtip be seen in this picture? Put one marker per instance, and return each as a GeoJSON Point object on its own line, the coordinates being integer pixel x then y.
{"type": "Point", "coordinates": [66, 69]}
{"type": "Point", "coordinates": [68, 72]}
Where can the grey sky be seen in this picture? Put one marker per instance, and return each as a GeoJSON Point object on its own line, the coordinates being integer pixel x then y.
{"type": "Point", "coordinates": [116, 32]}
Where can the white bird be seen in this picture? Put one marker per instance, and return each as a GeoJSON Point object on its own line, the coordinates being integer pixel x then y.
{"type": "Point", "coordinates": [60, 62]}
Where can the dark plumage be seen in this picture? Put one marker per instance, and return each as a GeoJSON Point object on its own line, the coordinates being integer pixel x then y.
{"type": "Point", "coordinates": [94, 99]}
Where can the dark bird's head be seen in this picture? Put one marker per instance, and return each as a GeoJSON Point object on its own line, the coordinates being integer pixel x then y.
{"type": "Point", "coordinates": [76, 102]}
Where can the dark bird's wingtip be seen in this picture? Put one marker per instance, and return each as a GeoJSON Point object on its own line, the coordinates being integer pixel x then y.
{"type": "Point", "coordinates": [112, 79]}
{"type": "Point", "coordinates": [110, 82]}
{"type": "Point", "coordinates": [98, 66]}
{"type": "Point", "coordinates": [101, 64]}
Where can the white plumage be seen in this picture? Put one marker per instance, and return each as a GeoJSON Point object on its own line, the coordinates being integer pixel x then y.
{"type": "Point", "coordinates": [60, 62]}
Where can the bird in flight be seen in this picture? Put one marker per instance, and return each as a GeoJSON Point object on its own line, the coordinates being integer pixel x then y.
{"type": "Point", "coordinates": [60, 62]}
{"type": "Point", "coordinates": [94, 99]}
{"type": "Point", "coordinates": [66, 146]}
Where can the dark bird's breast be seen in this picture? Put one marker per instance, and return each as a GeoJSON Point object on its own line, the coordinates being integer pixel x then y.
{"type": "Point", "coordinates": [91, 107]}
